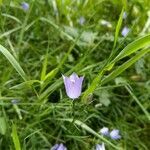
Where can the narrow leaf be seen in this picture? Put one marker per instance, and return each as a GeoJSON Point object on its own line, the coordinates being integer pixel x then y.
{"type": "Point", "coordinates": [44, 67]}
{"type": "Point", "coordinates": [124, 66]}
{"type": "Point", "coordinates": [133, 47]}
{"type": "Point", "coordinates": [13, 61]}
{"type": "Point", "coordinates": [118, 27]}
{"type": "Point", "coordinates": [2, 126]}
{"type": "Point", "coordinates": [15, 138]}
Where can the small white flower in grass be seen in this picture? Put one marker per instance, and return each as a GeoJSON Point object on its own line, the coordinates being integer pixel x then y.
{"type": "Point", "coordinates": [124, 15]}
{"type": "Point", "coordinates": [104, 131]}
{"type": "Point", "coordinates": [100, 146]}
{"type": "Point", "coordinates": [115, 135]}
{"type": "Point", "coordinates": [14, 101]}
{"type": "Point", "coordinates": [73, 85]}
{"type": "Point", "coordinates": [81, 20]}
{"type": "Point", "coordinates": [58, 147]}
{"type": "Point", "coordinates": [125, 31]}
{"type": "Point", "coordinates": [25, 6]}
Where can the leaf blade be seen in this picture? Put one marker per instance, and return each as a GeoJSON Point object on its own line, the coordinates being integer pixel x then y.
{"type": "Point", "coordinates": [124, 66]}
{"type": "Point", "coordinates": [13, 62]}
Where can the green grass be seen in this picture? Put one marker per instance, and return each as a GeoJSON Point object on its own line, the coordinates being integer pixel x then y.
{"type": "Point", "coordinates": [39, 45]}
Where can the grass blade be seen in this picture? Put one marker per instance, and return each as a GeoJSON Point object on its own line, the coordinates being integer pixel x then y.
{"type": "Point", "coordinates": [90, 130]}
{"type": "Point", "coordinates": [138, 102]}
{"type": "Point", "coordinates": [114, 74]}
{"type": "Point", "coordinates": [133, 47]}
{"type": "Point", "coordinates": [3, 126]}
{"type": "Point", "coordinates": [118, 28]}
{"type": "Point", "coordinates": [124, 66]}
{"type": "Point", "coordinates": [9, 32]}
{"type": "Point", "coordinates": [15, 138]}
{"type": "Point", "coordinates": [13, 61]}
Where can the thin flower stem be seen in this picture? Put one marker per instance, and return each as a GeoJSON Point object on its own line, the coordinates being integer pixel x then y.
{"type": "Point", "coordinates": [129, 89]}
{"type": "Point", "coordinates": [73, 110]}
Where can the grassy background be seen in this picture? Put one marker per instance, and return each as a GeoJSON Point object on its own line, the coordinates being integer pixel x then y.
{"type": "Point", "coordinates": [40, 44]}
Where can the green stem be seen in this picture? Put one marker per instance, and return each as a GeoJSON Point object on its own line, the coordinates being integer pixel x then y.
{"type": "Point", "coordinates": [73, 111]}
{"type": "Point", "coordinates": [139, 103]}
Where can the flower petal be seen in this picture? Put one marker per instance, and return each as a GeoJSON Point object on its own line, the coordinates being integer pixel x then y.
{"type": "Point", "coordinates": [100, 146]}
{"type": "Point", "coordinates": [55, 147]}
{"type": "Point", "coordinates": [114, 134]}
{"type": "Point", "coordinates": [61, 147]}
{"type": "Point", "coordinates": [104, 131]}
{"type": "Point", "coordinates": [73, 85]}
{"type": "Point", "coordinates": [74, 77]}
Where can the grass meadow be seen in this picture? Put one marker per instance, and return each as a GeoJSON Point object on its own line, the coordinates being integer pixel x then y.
{"type": "Point", "coordinates": [105, 41]}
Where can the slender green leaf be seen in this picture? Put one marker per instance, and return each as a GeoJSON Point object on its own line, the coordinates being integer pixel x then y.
{"type": "Point", "coordinates": [124, 66]}
{"type": "Point", "coordinates": [15, 138]}
{"type": "Point", "coordinates": [44, 67]}
{"type": "Point", "coordinates": [51, 74]}
{"type": "Point", "coordinates": [138, 102]}
{"type": "Point", "coordinates": [48, 77]}
{"type": "Point", "coordinates": [25, 84]}
{"type": "Point", "coordinates": [93, 86]}
{"type": "Point", "coordinates": [118, 28]}
{"type": "Point", "coordinates": [12, 17]}
{"type": "Point", "coordinates": [133, 47]}
{"type": "Point", "coordinates": [124, 2]}
{"type": "Point", "coordinates": [114, 74]}
{"type": "Point", "coordinates": [18, 111]}
{"type": "Point", "coordinates": [13, 61]}
{"type": "Point", "coordinates": [10, 31]}
{"type": "Point", "coordinates": [2, 126]}
{"type": "Point", "coordinates": [129, 49]}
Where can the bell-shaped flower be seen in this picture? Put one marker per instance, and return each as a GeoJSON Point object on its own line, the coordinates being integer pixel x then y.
{"type": "Point", "coordinates": [125, 31]}
{"type": "Point", "coordinates": [73, 85]}
{"type": "Point", "coordinates": [58, 147]}
{"type": "Point", "coordinates": [25, 6]}
{"type": "Point", "coordinates": [104, 131]}
{"type": "Point", "coordinates": [100, 146]}
{"type": "Point", "coordinates": [114, 134]}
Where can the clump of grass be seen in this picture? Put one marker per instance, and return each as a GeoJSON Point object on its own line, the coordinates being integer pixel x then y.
{"type": "Point", "coordinates": [47, 40]}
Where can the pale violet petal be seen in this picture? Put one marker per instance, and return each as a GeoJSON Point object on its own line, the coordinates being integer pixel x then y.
{"type": "Point", "coordinates": [74, 77]}
{"type": "Point", "coordinates": [25, 6]}
{"type": "Point", "coordinates": [125, 31]}
{"type": "Point", "coordinates": [100, 146]}
{"type": "Point", "coordinates": [104, 131]}
{"type": "Point", "coordinates": [74, 89]}
{"type": "Point", "coordinates": [114, 134]}
{"type": "Point", "coordinates": [58, 147]}
{"type": "Point", "coordinates": [61, 147]}
{"type": "Point", "coordinates": [55, 147]}
{"type": "Point", "coordinates": [73, 85]}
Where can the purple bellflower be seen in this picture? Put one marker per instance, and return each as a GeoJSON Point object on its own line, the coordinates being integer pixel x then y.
{"type": "Point", "coordinates": [104, 131]}
{"type": "Point", "coordinates": [73, 85]}
{"type": "Point", "coordinates": [114, 134]}
{"type": "Point", "coordinates": [25, 6]}
{"type": "Point", "coordinates": [58, 147]}
{"type": "Point", "coordinates": [100, 146]}
{"type": "Point", "coordinates": [125, 31]}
